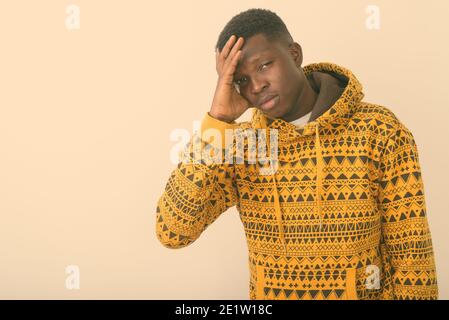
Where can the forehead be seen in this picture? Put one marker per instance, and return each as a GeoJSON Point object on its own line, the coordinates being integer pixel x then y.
{"type": "Point", "coordinates": [255, 48]}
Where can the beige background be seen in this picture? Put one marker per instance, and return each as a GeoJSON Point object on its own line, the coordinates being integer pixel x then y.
{"type": "Point", "coordinates": [86, 117]}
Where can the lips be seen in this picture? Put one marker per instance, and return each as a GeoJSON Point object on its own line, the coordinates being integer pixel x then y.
{"type": "Point", "coordinates": [265, 99]}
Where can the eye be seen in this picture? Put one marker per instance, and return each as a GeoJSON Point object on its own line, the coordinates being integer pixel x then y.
{"type": "Point", "coordinates": [241, 82]}
{"type": "Point", "coordinates": [266, 64]}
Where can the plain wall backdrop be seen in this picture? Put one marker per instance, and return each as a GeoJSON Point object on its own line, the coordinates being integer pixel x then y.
{"type": "Point", "coordinates": [86, 117]}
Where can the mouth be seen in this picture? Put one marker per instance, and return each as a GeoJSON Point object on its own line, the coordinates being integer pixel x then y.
{"type": "Point", "coordinates": [269, 103]}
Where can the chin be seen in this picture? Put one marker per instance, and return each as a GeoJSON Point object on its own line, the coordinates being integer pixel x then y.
{"type": "Point", "coordinates": [277, 113]}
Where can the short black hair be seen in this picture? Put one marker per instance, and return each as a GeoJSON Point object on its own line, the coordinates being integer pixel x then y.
{"type": "Point", "coordinates": [252, 22]}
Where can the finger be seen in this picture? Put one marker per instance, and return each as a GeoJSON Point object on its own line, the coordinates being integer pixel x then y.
{"type": "Point", "coordinates": [235, 48]}
{"type": "Point", "coordinates": [228, 72]}
{"type": "Point", "coordinates": [227, 47]}
{"type": "Point", "coordinates": [216, 60]}
{"type": "Point", "coordinates": [222, 56]}
{"type": "Point", "coordinates": [234, 62]}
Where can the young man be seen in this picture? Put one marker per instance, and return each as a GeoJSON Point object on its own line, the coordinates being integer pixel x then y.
{"type": "Point", "coordinates": [343, 215]}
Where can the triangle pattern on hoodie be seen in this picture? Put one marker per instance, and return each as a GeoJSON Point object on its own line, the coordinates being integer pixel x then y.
{"type": "Point", "coordinates": [343, 216]}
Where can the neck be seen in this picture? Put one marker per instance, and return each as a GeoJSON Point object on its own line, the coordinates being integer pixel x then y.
{"type": "Point", "coordinates": [304, 105]}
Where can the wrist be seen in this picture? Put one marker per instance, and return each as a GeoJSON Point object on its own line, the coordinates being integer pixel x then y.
{"type": "Point", "coordinates": [220, 117]}
{"type": "Point", "coordinates": [210, 122]}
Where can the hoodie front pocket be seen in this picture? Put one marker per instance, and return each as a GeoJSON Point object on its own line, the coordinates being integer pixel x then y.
{"type": "Point", "coordinates": [284, 284]}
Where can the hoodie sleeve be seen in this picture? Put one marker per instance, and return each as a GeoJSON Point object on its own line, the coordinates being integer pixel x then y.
{"type": "Point", "coordinates": [405, 228]}
{"type": "Point", "coordinates": [198, 191]}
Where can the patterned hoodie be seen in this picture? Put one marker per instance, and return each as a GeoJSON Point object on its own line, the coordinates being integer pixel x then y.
{"type": "Point", "coordinates": [343, 215]}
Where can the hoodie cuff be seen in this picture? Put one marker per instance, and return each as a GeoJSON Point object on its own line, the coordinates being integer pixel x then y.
{"type": "Point", "coordinates": [210, 122]}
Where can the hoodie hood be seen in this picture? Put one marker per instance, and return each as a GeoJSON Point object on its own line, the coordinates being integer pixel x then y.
{"type": "Point", "coordinates": [338, 92]}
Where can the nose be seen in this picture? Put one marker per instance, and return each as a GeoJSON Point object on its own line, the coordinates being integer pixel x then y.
{"type": "Point", "coordinates": [258, 85]}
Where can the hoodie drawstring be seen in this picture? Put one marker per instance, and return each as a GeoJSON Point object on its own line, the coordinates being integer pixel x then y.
{"type": "Point", "coordinates": [319, 173]}
{"type": "Point", "coordinates": [279, 214]}
{"type": "Point", "coordinates": [319, 187]}
{"type": "Point", "coordinates": [277, 205]}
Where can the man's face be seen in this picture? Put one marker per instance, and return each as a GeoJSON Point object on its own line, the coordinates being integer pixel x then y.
{"type": "Point", "coordinates": [270, 68]}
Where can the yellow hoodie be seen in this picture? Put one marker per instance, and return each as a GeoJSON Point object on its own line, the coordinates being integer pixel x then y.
{"type": "Point", "coordinates": [343, 216]}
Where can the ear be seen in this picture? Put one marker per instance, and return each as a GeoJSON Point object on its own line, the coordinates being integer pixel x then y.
{"type": "Point", "coordinates": [296, 51]}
